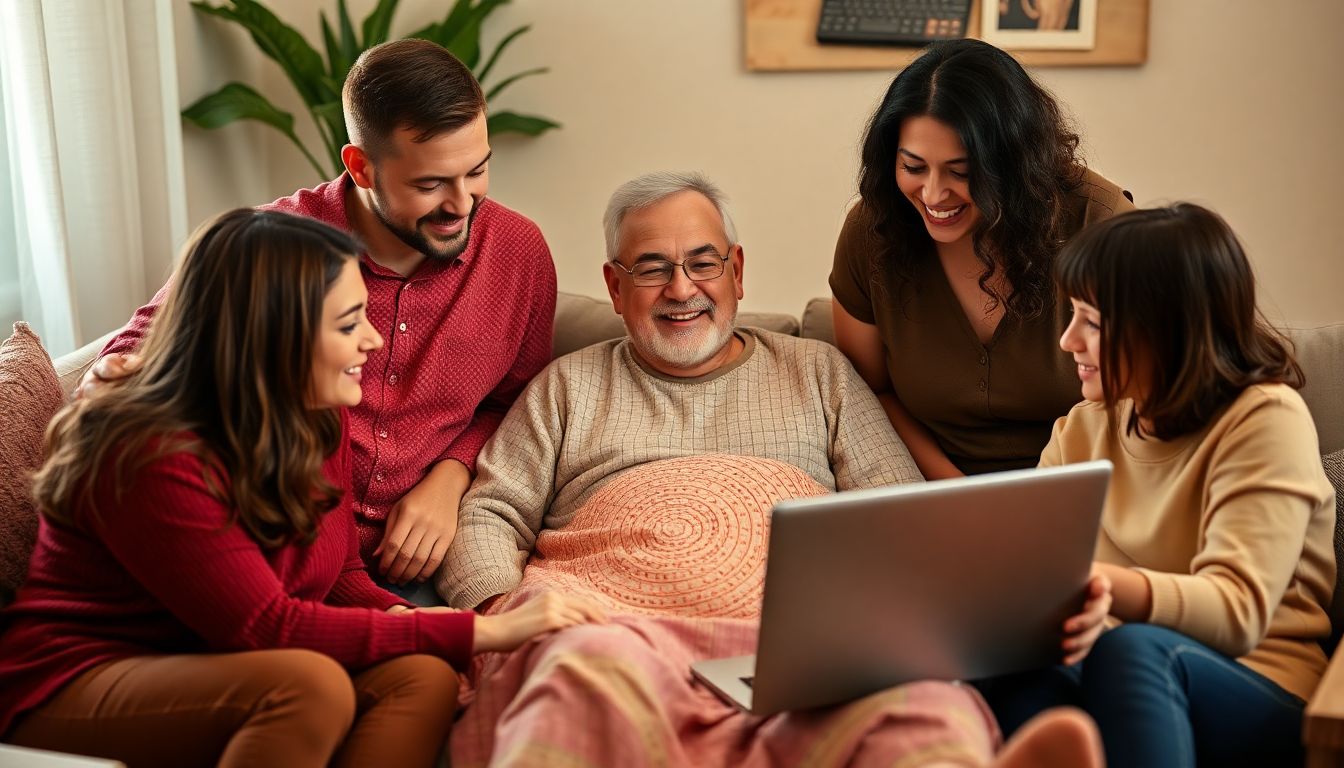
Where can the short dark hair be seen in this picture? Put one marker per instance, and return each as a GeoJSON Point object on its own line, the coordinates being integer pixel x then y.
{"type": "Point", "coordinates": [413, 84]}
{"type": "Point", "coordinates": [1023, 163]}
{"type": "Point", "coordinates": [1175, 291]}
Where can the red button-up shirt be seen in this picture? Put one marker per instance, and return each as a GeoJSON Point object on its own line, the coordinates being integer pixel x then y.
{"type": "Point", "coordinates": [462, 339]}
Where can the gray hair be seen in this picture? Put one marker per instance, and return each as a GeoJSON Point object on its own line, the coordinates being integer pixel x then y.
{"type": "Point", "coordinates": [650, 188]}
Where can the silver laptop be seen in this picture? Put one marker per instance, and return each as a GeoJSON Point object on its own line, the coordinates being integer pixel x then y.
{"type": "Point", "coordinates": [951, 580]}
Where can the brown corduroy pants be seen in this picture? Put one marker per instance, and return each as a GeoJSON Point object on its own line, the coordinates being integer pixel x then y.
{"type": "Point", "coordinates": [256, 708]}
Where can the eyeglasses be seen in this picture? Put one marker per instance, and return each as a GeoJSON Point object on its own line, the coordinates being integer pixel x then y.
{"type": "Point", "coordinates": [651, 272]}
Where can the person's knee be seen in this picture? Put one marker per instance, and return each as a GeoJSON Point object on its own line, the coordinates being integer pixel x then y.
{"type": "Point", "coordinates": [1131, 643]}
{"type": "Point", "coordinates": [312, 690]}
{"type": "Point", "coordinates": [1132, 657]}
{"type": "Point", "coordinates": [425, 683]}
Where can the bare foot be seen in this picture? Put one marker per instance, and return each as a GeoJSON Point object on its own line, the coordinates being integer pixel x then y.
{"type": "Point", "coordinates": [1063, 737]}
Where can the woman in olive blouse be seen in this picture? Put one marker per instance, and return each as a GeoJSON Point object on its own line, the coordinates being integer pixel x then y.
{"type": "Point", "coordinates": [944, 301]}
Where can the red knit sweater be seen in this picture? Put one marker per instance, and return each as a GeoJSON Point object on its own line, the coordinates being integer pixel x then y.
{"type": "Point", "coordinates": [164, 572]}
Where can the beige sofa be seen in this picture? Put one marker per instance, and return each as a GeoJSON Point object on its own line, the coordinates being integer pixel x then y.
{"type": "Point", "coordinates": [581, 320]}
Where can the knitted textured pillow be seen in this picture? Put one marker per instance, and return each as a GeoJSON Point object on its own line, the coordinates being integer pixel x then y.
{"type": "Point", "coordinates": [29, 396]}
{"type": "Point", "coordinates": [684, 536]}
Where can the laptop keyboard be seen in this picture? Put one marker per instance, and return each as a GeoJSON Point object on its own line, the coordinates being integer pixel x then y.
{"type": "Point", "coordinates": [891, 22]}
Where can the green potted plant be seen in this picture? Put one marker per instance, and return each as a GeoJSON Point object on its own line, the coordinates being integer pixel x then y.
{"type": "Point", "coordinates": [319, 82]}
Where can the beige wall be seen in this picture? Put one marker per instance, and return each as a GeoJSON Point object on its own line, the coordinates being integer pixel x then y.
{"type": "Point", "coordinates": [1236, 109]}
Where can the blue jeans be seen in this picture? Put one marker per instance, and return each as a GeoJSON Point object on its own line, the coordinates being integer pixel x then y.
{"type": "Point", "coordinates": [1162, 699]}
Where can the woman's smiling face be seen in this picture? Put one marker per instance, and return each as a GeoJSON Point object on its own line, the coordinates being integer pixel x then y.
{"type": "Point", "coordinates": [933, 172]}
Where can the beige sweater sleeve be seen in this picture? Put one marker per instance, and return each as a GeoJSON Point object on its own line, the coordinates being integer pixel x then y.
{"type": "Point", "coordinates": [1262, 495]}
{"type": "Point", "coordinates": [502, 514]}
{"type": "Point", "coordinates": [866, 452]}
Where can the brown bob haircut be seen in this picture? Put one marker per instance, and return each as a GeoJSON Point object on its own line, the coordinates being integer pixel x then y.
{"type": "Point", "coordinates": [226, 377]}
{"type": "Point", "coordinates": [1176, 292]}
{"type": "Point", "coordinates": [412, 84]}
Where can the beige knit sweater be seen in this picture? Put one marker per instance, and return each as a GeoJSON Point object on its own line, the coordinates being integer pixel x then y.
{"type": "Point", "coordinates": [595, 413]}
{"type": "Point", "coordinates": [1233, 527]}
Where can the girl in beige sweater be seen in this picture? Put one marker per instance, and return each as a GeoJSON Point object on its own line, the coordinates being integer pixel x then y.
{"type": "Point", "coordinates": [1217, 532]}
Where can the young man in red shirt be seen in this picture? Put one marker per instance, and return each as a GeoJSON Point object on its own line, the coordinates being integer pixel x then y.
{"type": "Point", "coordinates": [462, 288]}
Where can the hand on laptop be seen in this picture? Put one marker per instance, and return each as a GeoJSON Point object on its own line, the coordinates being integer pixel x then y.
{"type": "Point", "coordinates": [1081, 631]}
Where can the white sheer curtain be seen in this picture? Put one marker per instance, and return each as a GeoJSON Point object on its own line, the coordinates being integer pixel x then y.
{"type": "Point", "coordinates": [92, 199]}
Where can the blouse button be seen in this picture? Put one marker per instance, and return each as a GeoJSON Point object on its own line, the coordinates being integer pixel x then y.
{"type": "Point", "coordinates": [392, 378]}
{"type": "Point", "coordinates": [980, 385]}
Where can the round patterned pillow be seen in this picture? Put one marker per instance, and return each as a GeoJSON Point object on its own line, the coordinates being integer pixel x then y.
{"type": "Point", "coordinates": [685, 536]}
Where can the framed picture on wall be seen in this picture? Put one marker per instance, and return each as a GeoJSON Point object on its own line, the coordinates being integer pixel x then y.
{"type": "Point", "coordinates": [1033, 25]}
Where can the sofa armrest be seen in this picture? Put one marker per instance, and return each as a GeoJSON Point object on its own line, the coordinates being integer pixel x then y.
{"type": "Point", "coordinates": [70, 368]}
{"type": "Point", "coordinates": [1323, 723]}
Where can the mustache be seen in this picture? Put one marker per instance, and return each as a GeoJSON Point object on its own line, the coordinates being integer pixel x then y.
{"type": "Point", "coordinates": [440, 218]}
{"type": "Point", "coordinates": [699, 303]}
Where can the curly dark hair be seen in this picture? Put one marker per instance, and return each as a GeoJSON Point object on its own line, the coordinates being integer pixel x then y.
{"type": "Point", "coordinates": [1023, 163]}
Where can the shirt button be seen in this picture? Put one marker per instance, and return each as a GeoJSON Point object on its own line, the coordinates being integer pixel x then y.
{"type": "Point", "coordinates": [984, 359]}
{"type": "Point", "coordinates": [402, 327]}
{"type": "Point", "coordinates": [980, 385]}
{"type": "Point", "coordinates": [382, 433]}
{"type": "Point", "coordinates": [392, 379]}
{"type": "Point", "coordinates": [379, 477]}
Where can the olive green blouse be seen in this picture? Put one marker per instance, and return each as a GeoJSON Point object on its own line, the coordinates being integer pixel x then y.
{"type": "Point", "coordinates": [989, 406]}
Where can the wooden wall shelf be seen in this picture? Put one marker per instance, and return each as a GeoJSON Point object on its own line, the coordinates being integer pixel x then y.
{"type": "Point", "coordinates": [781, 36]}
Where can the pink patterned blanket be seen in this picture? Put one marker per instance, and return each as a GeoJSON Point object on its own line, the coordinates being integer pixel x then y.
{"type": "Point", "coordinates": [676, 552]}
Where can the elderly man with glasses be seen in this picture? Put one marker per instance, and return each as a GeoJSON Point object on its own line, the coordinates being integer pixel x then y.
{"type": "Point", "coordinates": [641, 472]}
{"type": "Point", "coordinates": [685, 382]}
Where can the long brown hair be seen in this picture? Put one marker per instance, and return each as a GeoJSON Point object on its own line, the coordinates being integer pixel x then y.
{"type": "Point", "coordinates": [1177, 297]}
{"type": "Point", "coordinates": [226, 372]}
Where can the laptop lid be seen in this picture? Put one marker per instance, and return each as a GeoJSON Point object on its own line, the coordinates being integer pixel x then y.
{"type": "Point", "coordinates": [952, 579]}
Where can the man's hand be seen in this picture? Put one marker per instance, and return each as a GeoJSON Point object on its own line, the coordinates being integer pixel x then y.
{"type": "Point", "coordinates": [546, 612]}
{"type": "Point", "coordinates": [421, 525]}
{"type": "Point", "coordinates": [1081, 631]}
{"type": "Point", "coordinates": [108, 368]}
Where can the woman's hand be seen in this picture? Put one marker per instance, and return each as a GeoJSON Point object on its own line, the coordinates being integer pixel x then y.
{"type": "Point", "coordinates": [546, 612]}
{"type": "Point", "coordinates": [1081, 631]}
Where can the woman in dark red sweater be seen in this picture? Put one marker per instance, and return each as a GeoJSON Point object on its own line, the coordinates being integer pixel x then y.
{"type": "Point", "coordinates": [196, 595]}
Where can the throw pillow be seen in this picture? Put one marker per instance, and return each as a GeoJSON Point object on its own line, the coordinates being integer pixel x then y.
{"type": "Point", "coordinates": [30, 395]}
{"type": "Point", "coordinates": [1334, 472]}
{"type": "Point", "coordinates": [683, 536]}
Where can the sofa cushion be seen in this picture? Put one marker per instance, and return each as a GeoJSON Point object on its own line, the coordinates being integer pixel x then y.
{"type": "Point", "coordinates": [818, 322]}
{"type": "Point", "coordinates": [29, 396]}
{"type": "Point", "coordinates": [583, 320]}
{"type": "Point", "coordinates": [1320, 351]}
